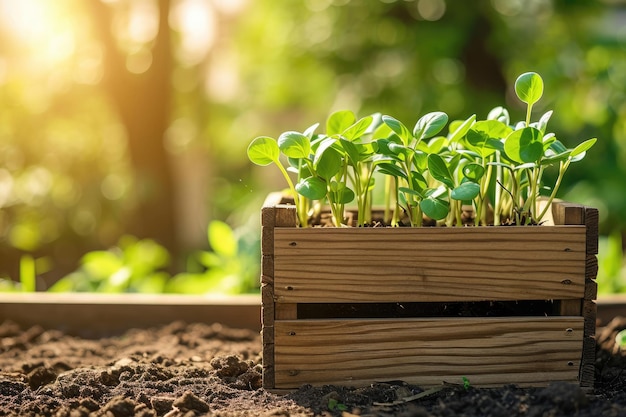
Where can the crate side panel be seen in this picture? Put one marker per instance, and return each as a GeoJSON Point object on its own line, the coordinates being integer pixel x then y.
{"type": "Point", "coordinates": [402, 265]}
{"type": "Point", "coordinates": [495, 351]}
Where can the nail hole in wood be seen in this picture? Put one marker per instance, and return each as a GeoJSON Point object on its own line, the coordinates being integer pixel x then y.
{"type": "Point", "coordinates": [289, 288]}
{"type": "Point", "coordinates": [292, 333]}
{"type": "Point", "coordinates": [569, 330]}
{"type": "Point", "coordinates": [293, 372]}
{"type": "Point", "coordinates": [566, 281]}
{"type": "Point", "coordinates": [292, 243]}
{"type": "Point", "coordinates": [570, 363]}
{"type": "Point", "coordinates": [568, 250]}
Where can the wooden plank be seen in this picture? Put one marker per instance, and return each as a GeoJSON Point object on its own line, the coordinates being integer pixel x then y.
{"type": "Point", "coordinates": [96, 315]}
{"type": "Point", "coordinates": [429, 264]}
{"type": "Point", "coordinates": [488, 351]}
{"type": "Point", "coordinates": [592, 223]}
{"type": "Point", "coordinates": [286, 311]}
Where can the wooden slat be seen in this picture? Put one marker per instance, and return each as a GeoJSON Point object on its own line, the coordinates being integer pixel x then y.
{"type": "Point", "coordinates": [488, 351]}
{"type": "Point", "coordinates": [428, 264]}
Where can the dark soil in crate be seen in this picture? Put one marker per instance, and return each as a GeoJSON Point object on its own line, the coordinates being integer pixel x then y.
{"type": "Point", "coordinates": [200, 370]}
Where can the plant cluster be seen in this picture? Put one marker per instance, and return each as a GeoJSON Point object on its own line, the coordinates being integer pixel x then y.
{"type": "Point", "coordinates": [494, 165]}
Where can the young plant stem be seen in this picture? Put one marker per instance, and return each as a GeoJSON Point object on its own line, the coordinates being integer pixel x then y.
{"type": "Point", "coordinates": [562, 168]}
{"type": "Point", "coordinates": [497, 192]}
{"type": "Point", "coordinates": [298, 200]}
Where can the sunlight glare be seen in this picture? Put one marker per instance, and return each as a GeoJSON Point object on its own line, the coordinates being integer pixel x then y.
{"type": "Point", "coordinates": [196, 22]}
{"type": "Point", "coordinates": [40, 27]}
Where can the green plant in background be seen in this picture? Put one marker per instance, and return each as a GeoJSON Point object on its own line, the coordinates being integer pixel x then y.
{"type": "Point", "coordinates": [489, 164]}
{"type": "Point", "coordinates": [611, 266]}
{"type": "Point", "coordinates": [28, 277]}
{"type": "Point", "coordinates": [139, 266]}
{"type": "Point", "coordinates": [133, 266]}
{"type": "Point", "coordinates": [231, 267]}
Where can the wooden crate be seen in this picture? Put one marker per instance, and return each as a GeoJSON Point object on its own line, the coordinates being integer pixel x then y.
{"type": "Point", "coordinates": [497, 305]}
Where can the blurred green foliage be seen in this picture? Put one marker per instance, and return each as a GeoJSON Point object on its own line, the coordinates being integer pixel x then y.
{"type": "Point", "coordinates": [245, 68]}
{"type": "Point", "coordinates": [139, 266]}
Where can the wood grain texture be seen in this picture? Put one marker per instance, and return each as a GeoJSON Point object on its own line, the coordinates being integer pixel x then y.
{"type": "Point", "coordinates": [428, 264]}
{"type": "Point", "coordinates": [488, 351]}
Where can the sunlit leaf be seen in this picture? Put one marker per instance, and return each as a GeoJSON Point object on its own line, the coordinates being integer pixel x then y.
{"type": "Point", "coordinates": [429, 125]}
{"type": "Point", "coordinates": [294, 144]}
{"type": "Point", "coordinates": [339, 121]}
{"type": "Point", "coordinates": [529, 87]}
{"type": "Point", "coordinates": [358, 129]}
{"type": "Point", "coordinates": [583, 147]}
{"type": "Point", "coordinates": [473, 172]}
{"type": "Point", "coordinates": [524, 145]}
{"type": "Point", "coordinates": [398, 128]}
{"type": "Point", "coordinates": [313, 188]}
{"type": "Point", "coordinates": [263, 151]}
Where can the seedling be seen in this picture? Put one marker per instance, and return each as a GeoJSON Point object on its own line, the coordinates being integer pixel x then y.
{"type": "Point", "coordinates": [493, 165]}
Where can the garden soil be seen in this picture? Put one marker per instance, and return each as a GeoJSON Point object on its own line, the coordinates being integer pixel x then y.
{"type": "Point", "coordinates": [209, 370]}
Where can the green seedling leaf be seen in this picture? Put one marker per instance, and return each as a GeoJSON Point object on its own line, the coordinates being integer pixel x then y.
{"type": "Point", "coordinates": [410, 191]}
{"type": "Point", "coordinates": [473, 172]}
{"type": "Point", "coordinates": [524, 145]}
{"type": "Point", "coordinates": [484, 137]}
{"type": "Point", "coordinates": [294, 144]}
{"type": "Point", "coordinates": [339, 193]}
{"type": "Point", "coordinates": [435, 208]}
{"type": "Point", "coordinates": [263, 151]}
{"type": "Point", "coordinates": [439, 170]}
{"type": "Point", "coordinates": [436, 145]}
{"type": "Point", "coordinates": [459, 128]}
{"type": "Point", "coordinates": [466, 191]}
{"type": "Point", "coordinates": [398, 128]}
{"type": "Point", "coordinates": [311, 130]}
{"type": "Point", "coordinates": [358, 129]}
{"type": "Point", "coordinates": [529, 87]}
{"type": "Point", "coordinates": [419, 182]}
{"type": "Point", "coordinates": [354, 155]}
{"type": "Point", "coordinates": [542, 124]}
{"type": "Point", "coordinates": [429, 125]}
{"type": "Point", "coordinates": [329, 163]}
{"type": "Point", "coordinates": [391, 169]}
{"type": "Point", "coordinates": [583, 147]}
{"type": "Point", "coordinates": [339, 121]}
{"type": "Point", "coordinates": [500, 114]}
{"type": "Point", "coordinates": [313, 188]}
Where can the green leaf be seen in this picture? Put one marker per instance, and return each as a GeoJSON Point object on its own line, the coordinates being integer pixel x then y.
{"type": "Point", "coordinates": [461, 128]}
{"type": "Point", "coordinates": [485, 135]}
{"type": "Point", "coordinates": [398, 128]}
{"type": "Point", "coordinates": [583, 147]}
{"type": "Point", "coordinates": [429, 125]}
{"type": "Point", "coordinates": [263, 151]}
{"type": "Point", "coordinates": [222, 239]}
{"type": "Point", "coordinates": [473, 172]}
{"type": "Point", "coordinates": [329, 163]}
{"type": "Point", "coordinates": [313, 188]}
{"type": "Point", "coordinates": [524, 145]}
{"type": "Point", "coordinates": [435, 208]}
{"type": "Point", "coordinates": [339, 193]}
{"type": "Point", "coordinates": [354, 155]}
{"type": "Point", "coordinates": [542, 124]}
{"type": "Point", "coordinates": [294, 144]}
{"type": "Point", "coordinates": [500, 114]}
{"type": "Point", "coordinates": [439, 170]}
{"type": "Point", "coordinates": [529, 87]}
{"type": "Point", "coordinates": [466, 191]}
{"type": "Point", "coordinates": [311, 130]}
{"type": "Point", "coordinates": [391, 169]}
{"type": "Point", "coordinates": [339, 121]}
{"type": "Point", "coordinates": [410, 191]}
{"type": "Point", "coordinates": [358, 129]}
